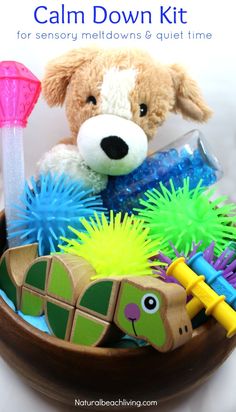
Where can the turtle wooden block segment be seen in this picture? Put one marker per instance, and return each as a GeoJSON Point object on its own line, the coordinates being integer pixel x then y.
{"type": "Point", "coordinates": [91, 331]}
{"type": "Point", "coordinates": [59, 317]}
{"type": "Point", "coordinates": [68, 276]}
{"type": "Point", "coordinates": [93, 323]}
{"type": "Point", "coordinates": [35, 282]}
{"type": "Point", "coordinates": [99, 298]}
{"type": "Point", "coordinates": [152, 310]}
{"type": "Point", "coordinates": [37, 273]}
{"type": "Point", "coordinates": [13, 265]}
{"type": "Point", "coordinates": [32, 303]}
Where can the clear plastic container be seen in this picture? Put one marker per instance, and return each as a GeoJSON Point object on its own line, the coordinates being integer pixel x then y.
{"type": "Point", "coordinates": [189, 156]}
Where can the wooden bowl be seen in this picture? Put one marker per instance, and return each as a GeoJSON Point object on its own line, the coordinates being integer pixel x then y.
{"type": "Point", "coordinates": [65, 372]}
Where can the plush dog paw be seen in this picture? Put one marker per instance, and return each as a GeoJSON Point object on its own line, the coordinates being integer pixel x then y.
{"type": "Point", "coordinates": [64, 158]}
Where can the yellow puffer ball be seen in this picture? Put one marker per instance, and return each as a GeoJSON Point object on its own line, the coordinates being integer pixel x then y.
{"type": "Point", "coordinates": [115, 247]}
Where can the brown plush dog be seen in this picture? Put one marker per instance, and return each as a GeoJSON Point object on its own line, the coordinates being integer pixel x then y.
{"type": "Point", "coordinates": [115, 100]}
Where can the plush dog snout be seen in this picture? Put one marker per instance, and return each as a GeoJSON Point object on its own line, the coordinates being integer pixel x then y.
{"type": "Point", "coordinates": [114, 147]}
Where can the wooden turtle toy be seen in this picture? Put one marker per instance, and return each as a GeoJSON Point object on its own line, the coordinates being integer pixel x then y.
{"type": "Point", "coordinates": [94, 313]}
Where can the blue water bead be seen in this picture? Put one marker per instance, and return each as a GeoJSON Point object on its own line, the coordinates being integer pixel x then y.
{"type": "Point", "coordinates": [174, 154]}
{"type": "Point", "coordinates": [158, 157]}
{"type": "Point", "coordinates": [197, 159]}
{"type": "Point", "coordinates": [185, 153]}
{"type": "Point", "coordinates": [185, 163]}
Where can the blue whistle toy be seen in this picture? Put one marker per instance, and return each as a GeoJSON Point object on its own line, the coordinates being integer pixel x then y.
{"type": "Point", "coordinates": [214, 278]}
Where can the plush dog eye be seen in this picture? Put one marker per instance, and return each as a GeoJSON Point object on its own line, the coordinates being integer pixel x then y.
{"type": "Point", "coordinates": [91, 100]}
{"type": "Point", "coordinates": [143, 109]}
{"type": "Point", "coordinates": [150, 303]}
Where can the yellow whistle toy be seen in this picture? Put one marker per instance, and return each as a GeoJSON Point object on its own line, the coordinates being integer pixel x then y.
{"type": "Point", "coordinates": [203, 296]}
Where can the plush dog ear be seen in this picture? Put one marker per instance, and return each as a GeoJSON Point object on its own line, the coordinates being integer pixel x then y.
{"type": "Point", "coordinates": [189, 101]}
{"type": "Point", "coordinates": [59, 72]}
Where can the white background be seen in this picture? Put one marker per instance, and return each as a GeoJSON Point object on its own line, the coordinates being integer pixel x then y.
{"type": "Point", "coordinates": [211, 62]}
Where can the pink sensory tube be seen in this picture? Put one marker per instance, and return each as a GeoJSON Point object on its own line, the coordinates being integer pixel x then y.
{"type": "Point", "coordinates": [19, 91]}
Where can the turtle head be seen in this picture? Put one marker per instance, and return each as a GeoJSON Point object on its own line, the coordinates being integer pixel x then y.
{"type": "Point", "coordinates": [154, 311]}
